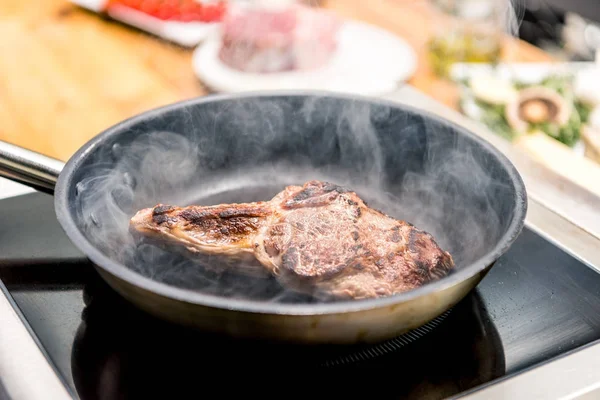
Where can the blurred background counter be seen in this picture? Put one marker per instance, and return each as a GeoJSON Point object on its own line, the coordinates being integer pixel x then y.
{"type": "Point", "coordinates": [67, 73]}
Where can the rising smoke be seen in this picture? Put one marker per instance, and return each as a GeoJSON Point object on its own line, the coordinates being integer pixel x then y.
{"type": "Point", "coordinates": [511, 15]}
{"type": "Point", "coordinates": [248, 150]}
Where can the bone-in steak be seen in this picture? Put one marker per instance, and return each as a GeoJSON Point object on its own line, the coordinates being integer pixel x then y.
{"type": "Point", "coordinates": [318, 238]}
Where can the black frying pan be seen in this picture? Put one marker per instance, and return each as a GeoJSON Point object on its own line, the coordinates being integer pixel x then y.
{"type": "Point", "coordinates": [247, 147]}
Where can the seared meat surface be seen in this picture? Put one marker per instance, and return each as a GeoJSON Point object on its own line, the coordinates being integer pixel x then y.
{"type": "Point", "coordinates": [319, 238]}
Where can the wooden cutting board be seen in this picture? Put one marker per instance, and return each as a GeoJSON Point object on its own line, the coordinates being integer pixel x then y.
{"type": "Point", "coordinates": [66, 74]}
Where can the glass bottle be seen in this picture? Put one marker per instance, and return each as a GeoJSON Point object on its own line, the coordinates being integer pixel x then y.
{"type": "Point", "coordinates": [466, 31]}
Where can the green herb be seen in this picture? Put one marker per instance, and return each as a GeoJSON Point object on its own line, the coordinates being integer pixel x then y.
{"type": "Point", "coordinates": [584, 110]}
{"type": "Point", "coordinates": [520, 85]}
{"type": "Point", "coordinates": [568, 134]}
{"type": "Point", "coordinates": [493, 115]}
{"type": "Point", "coordinates": [560, 83]}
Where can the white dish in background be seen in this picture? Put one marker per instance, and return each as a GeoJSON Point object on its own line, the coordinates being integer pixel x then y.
{"type": "Point", "coordinates": [92, 5]}
{"type": "Point", "coordinates": [529, 73]}
{"type": "Point", "coordinates": [526, 72]}
{"type": "Point", "coordinates": [369, 61]}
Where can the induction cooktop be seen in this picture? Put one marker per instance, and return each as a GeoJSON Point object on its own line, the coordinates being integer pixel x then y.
{"type": "Point", "coordinates": [537, 303]}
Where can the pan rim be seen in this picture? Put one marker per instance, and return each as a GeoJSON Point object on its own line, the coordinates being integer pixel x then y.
{"type": "Point", "coordinates": [120, 271]}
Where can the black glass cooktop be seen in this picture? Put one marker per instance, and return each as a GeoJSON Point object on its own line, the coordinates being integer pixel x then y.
{"type": "Point", "coordinates": [537, 303]}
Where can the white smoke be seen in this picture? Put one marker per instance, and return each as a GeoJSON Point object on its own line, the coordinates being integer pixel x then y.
{"type": "Point", "coordinates": [248, 150]}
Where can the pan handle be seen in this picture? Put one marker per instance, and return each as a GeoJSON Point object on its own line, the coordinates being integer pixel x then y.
{"type": "Point", "coordinates": [29, 168]}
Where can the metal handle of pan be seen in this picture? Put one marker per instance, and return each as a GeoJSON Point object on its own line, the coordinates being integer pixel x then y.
{"type": "Point", "coordinates": [29, 168]}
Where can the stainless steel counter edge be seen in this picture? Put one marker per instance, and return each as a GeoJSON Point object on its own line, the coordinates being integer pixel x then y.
{"type": "Point", "coordinates": [24, 370]}
{"type": "Point", "coordinates": [575, 375]}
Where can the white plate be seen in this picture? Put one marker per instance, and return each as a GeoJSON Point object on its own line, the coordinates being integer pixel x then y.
{"type": "Point", "coordinates": [368, 61]}
{"type": "Point", "coordinates": [532, 72]}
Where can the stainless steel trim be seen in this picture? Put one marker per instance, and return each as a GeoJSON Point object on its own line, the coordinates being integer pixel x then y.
{"type": "Point", "coordinates": [29, 168]}
{"type": "Point", "coordinates": [25, 371]}
{"type": "Point", "coordinates": [575, 376]}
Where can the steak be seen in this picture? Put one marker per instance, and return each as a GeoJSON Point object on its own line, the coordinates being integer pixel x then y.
{"type": "Point", "coordinates": [318, 238]}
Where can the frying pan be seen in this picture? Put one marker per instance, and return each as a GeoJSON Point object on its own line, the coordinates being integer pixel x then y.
{"type": "Point", "coordinates": [247, 147]}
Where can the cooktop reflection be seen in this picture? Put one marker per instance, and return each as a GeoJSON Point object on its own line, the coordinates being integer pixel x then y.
{"type": "Point", "coordinates": [537, 303]}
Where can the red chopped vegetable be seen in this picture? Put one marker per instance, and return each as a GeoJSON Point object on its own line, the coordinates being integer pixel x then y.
{"type": "Point", "coordinates": [177, 10]}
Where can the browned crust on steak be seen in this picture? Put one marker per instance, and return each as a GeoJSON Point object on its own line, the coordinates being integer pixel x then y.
{"type": "Point", "coordinates": [213, 226]}
{"type": "Point", "coordinates": [318, 238]}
